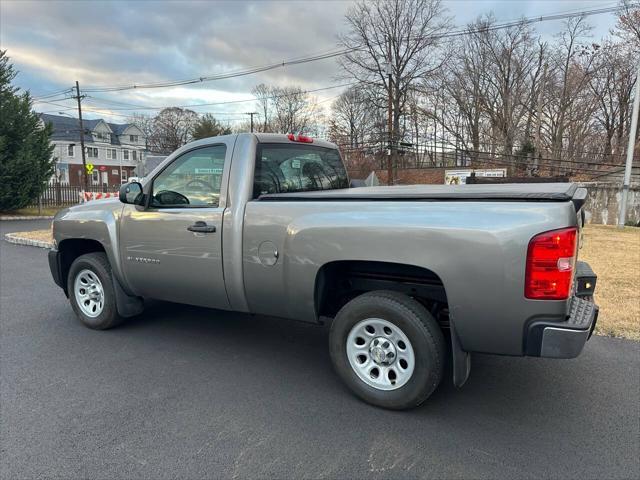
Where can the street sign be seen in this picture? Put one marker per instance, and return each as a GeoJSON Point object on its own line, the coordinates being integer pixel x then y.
{"type": "Point", "coordinates": [89, 168]}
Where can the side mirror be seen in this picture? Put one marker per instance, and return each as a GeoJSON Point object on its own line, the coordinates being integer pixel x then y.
{"type": "Point", "coordinates": [131, 193]}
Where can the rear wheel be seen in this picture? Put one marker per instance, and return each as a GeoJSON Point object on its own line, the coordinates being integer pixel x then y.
{"type": "Point", "coordinates": [388, 349]}
{"type": "Point", "coordinates": [91, 291]}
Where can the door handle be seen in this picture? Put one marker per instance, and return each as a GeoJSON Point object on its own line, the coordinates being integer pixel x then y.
{"type": "Point", "coordinates": [201, 227]}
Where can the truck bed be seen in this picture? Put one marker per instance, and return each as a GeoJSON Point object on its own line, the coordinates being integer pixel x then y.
{"type": "Point", "coordinates": [549, 192]}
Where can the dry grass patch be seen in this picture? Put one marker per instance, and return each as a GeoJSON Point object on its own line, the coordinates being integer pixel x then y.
{"type": "Point", "coordinates": [42, 235]}
{"type": "Point", "coordinates": [615, 257]}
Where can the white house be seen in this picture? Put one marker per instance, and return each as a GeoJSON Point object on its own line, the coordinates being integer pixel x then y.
{"type": "Point", "coordinates": [116, 151]}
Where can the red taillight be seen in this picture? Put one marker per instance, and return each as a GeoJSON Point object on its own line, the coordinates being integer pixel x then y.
{"type": "Point", "coordinates": [550, 261]}
{"type": "Point", "coordinates": [299, 138]}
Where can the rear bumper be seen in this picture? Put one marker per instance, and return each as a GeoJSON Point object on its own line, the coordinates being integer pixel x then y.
{"type": "Point", "coordinates": [566, 339]}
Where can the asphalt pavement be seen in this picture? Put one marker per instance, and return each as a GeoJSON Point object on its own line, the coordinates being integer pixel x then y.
{"type": "Point", "coordinates": [185, 392]}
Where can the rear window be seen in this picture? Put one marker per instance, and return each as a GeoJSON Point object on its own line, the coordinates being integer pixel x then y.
{"type": "Point", "coordinates": [283, 168]}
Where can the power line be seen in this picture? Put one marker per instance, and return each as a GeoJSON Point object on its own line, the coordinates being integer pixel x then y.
{"type": "Point", "coordinates": [375, 142]}
{"type": "Point", "coordinates": [53, 94]}
{"type": "Point", "coordinates": [229, 102]}
{"type": "Point", "coordinates": [299, 60]}
{"type": "Point", "coordinates": [340, 52]}
{"type": "Point", "coordinates": [59, 110]}
{"type": "Point", "coordinates": [381, 138]}
{"type": "Point", "coordinates": [222, 76]}
{"type": "Point", "coordinates": [545, 162]}
{"type": "Point", "coordinates": [108, 111]}
{"type": "Point", "coordinates": [133, 106]}
{"type": "Point", "coordinates": [216, 113]}
{"type": "Point", "coordinates": [528, 21]}
{"type": "Point", "coordinates": [514, 163]}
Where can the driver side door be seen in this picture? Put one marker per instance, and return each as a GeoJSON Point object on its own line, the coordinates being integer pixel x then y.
{"type": "Point", "coordinates": [172, 247]}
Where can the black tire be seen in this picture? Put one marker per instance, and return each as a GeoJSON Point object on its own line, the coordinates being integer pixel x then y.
{"type": "Point", "coordinates": [416, 323]}
{"type": "Point", "coordinates": [98, 264]}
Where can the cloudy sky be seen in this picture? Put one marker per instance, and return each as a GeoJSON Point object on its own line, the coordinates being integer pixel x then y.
{"type": "Point", "coordinates": [55, 43]}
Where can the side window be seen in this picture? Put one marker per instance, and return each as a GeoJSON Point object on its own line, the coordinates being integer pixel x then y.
{"type": "Point", "coordinates": [192, 180]}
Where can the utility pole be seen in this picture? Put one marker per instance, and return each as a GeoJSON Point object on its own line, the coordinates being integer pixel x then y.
{"type": "Point", "coordinates": [389, 72]}
{"type": "Point", "coordinates": [84, 160]}
{"type": "Point", "coordinates": [120, 156]}
{"type": "Point", "coordinates": [251, 114]}
{"type": "Point", "coordinates": [630, 148]}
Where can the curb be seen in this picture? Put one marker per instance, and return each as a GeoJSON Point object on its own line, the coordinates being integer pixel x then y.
{"type": "Point", "coordinates": [26, 217]}
{"type": "Point", "coordinates": [13, 238]}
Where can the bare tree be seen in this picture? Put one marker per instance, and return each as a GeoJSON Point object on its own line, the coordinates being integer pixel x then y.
{"type": "Point", "coordinates": [628, 25]}
{"type": "Point", "coordinates": [172, 128]}
{"type": "Point", "coordinates": [145, 123]}
{"type": "Point", "coordinates": [462, 82]}
{"type": "Point", "coordinates": [612, 85]}
{"type": "Point", "coordinates": [484, 96]}
{"type": "Point", "coordinates": [264, 94]}
{"type": "Point", "coordinates": [292, 109]}
{"type": "Point", "coordinates": [351, 119]}
{"type": "Point", "coordinates": [404, 33]}
{"type": "Point", "coordinates": [512, 56]}
{"type": "Point", "coordinates": [501, 94]}
{"type": "Point", "coordinates": [571, 70]}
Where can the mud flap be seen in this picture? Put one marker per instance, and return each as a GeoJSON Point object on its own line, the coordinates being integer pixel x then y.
{"type": "Point", "coordinates": [127, 305]}
{"type": "Point", "coordinates": [461, 360]}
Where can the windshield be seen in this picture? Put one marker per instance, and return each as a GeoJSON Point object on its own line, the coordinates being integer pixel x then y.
{"type": "Point", "coordinates": [286, 168]}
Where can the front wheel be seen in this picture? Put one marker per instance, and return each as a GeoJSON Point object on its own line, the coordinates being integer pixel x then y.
{"type": "Point", "coordinates": [91, 291]}
{"type": "Point", "coordinates": [388, 349]}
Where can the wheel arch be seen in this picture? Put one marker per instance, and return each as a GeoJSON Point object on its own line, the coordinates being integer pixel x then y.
{"type": "Point", "coordinates": [72, 248]}
{"type": "Point", "coordinates": [338, 281]}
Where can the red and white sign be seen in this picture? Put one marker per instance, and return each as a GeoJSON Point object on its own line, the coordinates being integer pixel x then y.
{"type": "Point", "coordinates": [87, 196]}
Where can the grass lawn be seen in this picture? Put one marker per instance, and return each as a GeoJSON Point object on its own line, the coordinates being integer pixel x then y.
{"type": "Point", "coordinates": [31, 212]}
{"type": "Point", "coordinates": [615, 257]}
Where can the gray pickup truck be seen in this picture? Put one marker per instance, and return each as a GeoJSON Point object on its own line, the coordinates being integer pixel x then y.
{"type": "Point", "coordinates": [411, 277]}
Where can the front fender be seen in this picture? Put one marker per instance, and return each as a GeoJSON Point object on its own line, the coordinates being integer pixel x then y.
{"type": "Point", "coordinates": [99, 221]}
